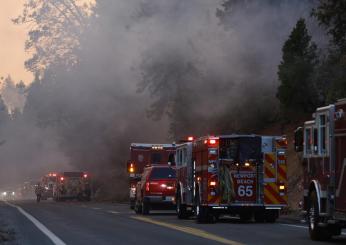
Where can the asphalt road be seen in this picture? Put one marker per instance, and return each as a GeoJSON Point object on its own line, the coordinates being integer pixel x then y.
{"type": "Point", "coordinates": [105, 223]}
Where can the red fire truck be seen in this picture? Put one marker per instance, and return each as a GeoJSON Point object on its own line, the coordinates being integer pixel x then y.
{"type": "Point", "coordinates": [241, 175]}
{"type": "Point", "coordinates": [47, 182]}
{"type": "Point", "coordinates": [72, 185]}
{"type": "Point", "coordinates": [322, 143]}
{"type": "Point", "coordinates": [142, 155]}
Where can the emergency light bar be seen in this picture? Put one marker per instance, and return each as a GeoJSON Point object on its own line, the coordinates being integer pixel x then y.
{"type": "Point", "coordinates": [157, 147]}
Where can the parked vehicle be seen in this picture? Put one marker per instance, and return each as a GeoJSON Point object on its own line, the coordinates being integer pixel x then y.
{"type": "Point", "coordinates": [142, 155]}
{"type": "Point", "coordinates": [241, 175]}
{"type": "Point", "coordinates": [156, 190]}
{"type": "Point", "coordinates": [47, 183]}
{"type": "Point", "coordinates": [322, 144]}
{"type": "Point", "coordinates": [72, 185]}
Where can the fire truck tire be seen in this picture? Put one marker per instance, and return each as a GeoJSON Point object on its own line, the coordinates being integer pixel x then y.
{"type": "Point", "coordinates": [245, 216]}
{"type": "Point", "coordinates": [137, 208]}
{"type": "Point", "coordinates": [203, 215]}
{"type": "Point", "coordinates": [145, 208]}
{"type": "Point", "coordinates": [181, 209]}
{"type": "Point", "coordinates": [316, 233]}
{"type": "Point", "coordinates": [259, 216]}
{"type": "Point", "coordinates": [270, 216]}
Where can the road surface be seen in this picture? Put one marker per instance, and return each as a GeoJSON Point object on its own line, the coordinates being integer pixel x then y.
{"type": "Point", "coordinates": [49, 222]}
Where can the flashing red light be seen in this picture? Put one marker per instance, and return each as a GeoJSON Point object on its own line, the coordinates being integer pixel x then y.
{"type": "Point", "coordinates": [62, 178]}
{"type": "Point", "coordinates": [85, 176]}
{"type": "Point", "coordinates": [212, 141]}
{"type": "Point", "coordinates": [190, 138]}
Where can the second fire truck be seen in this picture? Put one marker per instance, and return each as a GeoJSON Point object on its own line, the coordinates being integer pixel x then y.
{"type": "Point", "coordinates": [142, 155]}
{"type": "Point", "coordinates": [241, 175]}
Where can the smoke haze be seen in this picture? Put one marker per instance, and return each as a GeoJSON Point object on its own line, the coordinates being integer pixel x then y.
{"type": "Point", "coordinates": [151, 71]}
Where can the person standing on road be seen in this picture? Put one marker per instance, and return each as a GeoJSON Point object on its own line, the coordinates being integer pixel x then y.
{"type": "Point", "coordinates": [38, 192]}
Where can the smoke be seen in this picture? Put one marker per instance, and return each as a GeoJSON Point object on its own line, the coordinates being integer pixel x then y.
{"type": "Point", "coordinates": [150, 71]}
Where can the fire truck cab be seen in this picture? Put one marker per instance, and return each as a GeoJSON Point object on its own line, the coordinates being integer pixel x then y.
{"type": "Point", "coordinates": [241, 175]}
{"type": "Point", "coordinates": [322, 146]}
{"type": "Point", "coordinates": [142, 155]}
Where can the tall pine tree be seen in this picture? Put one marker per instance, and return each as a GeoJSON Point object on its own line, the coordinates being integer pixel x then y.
{"type": "Point", "coordinates": [331, 14]}
{"type": "Point", "coordinates": [297, 92]}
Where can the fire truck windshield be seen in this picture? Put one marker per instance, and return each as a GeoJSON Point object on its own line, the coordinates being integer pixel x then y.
{"type": "Point", "coordinates": [240, 149]}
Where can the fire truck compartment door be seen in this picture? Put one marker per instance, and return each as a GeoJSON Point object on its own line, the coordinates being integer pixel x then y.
{"type": "Point", "coordinates": [270, 171]}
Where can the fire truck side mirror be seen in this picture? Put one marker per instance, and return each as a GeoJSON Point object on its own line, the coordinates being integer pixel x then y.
{"type": "Point", "coordinates": [298, 139]}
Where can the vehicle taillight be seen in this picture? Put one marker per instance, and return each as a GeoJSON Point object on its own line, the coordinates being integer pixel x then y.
{"type": "Point", "coordinates": [85, 176]}
{"type": "Point", "coordinates": [190, 138]}
{"type": "Point", "coordinates": [212, 183]}
{"type": "Point", "coordinates": [62, 178]}
{"type": "Point", "coordinates": [147, 186]}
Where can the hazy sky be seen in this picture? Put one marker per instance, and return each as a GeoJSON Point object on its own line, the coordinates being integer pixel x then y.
{"type": "Point", "coordinates": [12, 38]}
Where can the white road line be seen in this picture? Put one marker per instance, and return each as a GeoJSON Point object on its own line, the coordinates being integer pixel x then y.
{"type": "Point", "coordinates": [56, 240]}
{"type": "Point", "coordinates": [113, 212]}
{"type": "Point", "coordinates": [296, 226]}
{"type": "Point", "coordinates": [304, 227]}
{"type": "Point", "coordinates": [96, 208]}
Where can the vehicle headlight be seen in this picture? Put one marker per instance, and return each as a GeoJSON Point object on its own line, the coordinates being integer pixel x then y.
{"type": "Point", "coordinates": [13, 193]}
{"type": "Point", "coordinates": [4, 193]}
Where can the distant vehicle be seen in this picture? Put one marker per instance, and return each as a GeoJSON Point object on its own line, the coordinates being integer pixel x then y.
{"type": "Point", "coordinates": [8, 195]}
{"type": "Point", "coordinates": [28, 189]}
{"type": "Point", "coordinates": [322, 142]}
{"type": "Point", "coordinates": [47, 182]}
{"type": "Point", "coordinates": [156, 190]}
{"type": "Point", "coordinates": [241, 175]}
{"type": "Point", "coordinates": [141, 155]}
{"type": "Point", "coordinates": [72, 185]}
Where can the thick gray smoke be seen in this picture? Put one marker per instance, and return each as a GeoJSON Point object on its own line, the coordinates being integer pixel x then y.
{"type": "Point", "coordinates": [175, 61]}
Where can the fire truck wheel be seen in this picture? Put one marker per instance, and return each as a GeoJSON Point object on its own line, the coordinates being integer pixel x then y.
{"type": "Point", "coordinates": [145, 208]}
{"type": "Point", "coordinates": [316, 233]}
{"type": "Point", "coordinates": [181, 209]}
{"type": "Point", "coordinates": [270, 216]}
{"type": "Point", "coordinates": [245, 216]}
{"type": "Point", "coordinates": [202, 213]}
{"type": "Point", "coordinates": [138, 208]}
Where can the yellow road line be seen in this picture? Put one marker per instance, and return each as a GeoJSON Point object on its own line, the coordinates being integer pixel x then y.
{"type": "Point", "coordinates": [188, 230]}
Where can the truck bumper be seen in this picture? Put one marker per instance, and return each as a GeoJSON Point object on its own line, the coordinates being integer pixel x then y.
{"type": "Point", "coordinates": [239, 208]}
{"type": "Point", "coordinates": [160, 202]}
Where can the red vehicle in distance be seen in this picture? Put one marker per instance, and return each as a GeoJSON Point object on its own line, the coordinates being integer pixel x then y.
{"type": "Point", "coordinates": [72, 185]}
{"type": "Point", "coordinates": [156, 190]}
{"type": "Point", "coordinates": [47, 182]}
